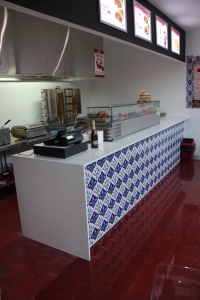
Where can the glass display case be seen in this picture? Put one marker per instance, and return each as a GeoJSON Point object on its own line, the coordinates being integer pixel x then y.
{"type": "Point", "coordinates": [122, 119]}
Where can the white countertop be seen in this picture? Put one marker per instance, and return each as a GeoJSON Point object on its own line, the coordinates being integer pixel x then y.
{"type": "Point", "coordinates": [107, 148]}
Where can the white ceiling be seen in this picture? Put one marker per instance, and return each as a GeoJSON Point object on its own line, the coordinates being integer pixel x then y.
{"type": "Point", "coordinates": [185, 13]}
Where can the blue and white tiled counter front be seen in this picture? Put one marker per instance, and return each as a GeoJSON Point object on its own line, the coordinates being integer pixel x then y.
{"type": "Point", "coordinates": [118, 181]}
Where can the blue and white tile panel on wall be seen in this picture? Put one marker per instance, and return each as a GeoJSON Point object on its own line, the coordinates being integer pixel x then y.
{"type": "Point", "coordinates": [117, 182]}
{"type": "Point", "coordinates": [190, 59]}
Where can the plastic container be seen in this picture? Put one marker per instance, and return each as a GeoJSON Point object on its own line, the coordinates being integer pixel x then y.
{"type": "Point", "coordinates": [187, 149]}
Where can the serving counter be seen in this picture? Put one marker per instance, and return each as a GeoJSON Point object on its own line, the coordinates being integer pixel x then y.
{"type": "Point", "coordinates": [71, 203]}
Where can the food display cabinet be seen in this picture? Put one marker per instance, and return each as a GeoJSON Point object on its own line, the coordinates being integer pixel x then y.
{"type": "Point", "coordinates": [122, 119]}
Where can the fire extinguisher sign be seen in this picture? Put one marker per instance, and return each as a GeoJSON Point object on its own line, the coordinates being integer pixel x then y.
{"type": "Point", "coordinates": [99, 63]}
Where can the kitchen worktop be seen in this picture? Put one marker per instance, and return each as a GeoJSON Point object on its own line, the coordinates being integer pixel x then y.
{"type": "Point", "coordinates": [108, 147]}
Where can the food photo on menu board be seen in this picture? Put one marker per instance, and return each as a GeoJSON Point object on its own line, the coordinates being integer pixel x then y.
{"type": "Point", "coordinates": [161, 33]}
{"type": "Point", "coordinates": [175, 36]}
{"type": "Point", "coordinates": [113, 13]}
{"type": "Point", "coordinates": [142, 21]}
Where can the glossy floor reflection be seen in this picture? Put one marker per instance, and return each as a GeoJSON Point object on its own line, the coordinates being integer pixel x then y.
{"type": "Point", "coordinates": [164, 227]}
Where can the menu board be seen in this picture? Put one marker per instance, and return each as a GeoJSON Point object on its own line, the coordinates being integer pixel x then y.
{"type": "Point", "coordinates": [142, 21]}
{"type": "Point", "coordinates": [175, 36]}
{"type": "Point", "coordinates": [113, 13]}
{"type": "Point", "coordinates": [161, 33]}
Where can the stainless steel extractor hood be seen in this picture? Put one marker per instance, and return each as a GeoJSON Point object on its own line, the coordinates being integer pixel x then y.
{"type": "Point", "coordinates": [32, 48]}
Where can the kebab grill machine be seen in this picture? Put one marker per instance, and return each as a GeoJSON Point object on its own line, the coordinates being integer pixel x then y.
{"type": "Point", "coordinates": [60, 108]}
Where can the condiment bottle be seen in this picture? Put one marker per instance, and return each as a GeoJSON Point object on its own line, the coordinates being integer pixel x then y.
{"type": "Point", "coordinates": [94, 136]}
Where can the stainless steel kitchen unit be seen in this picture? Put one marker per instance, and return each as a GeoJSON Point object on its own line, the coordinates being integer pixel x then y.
{"type": "Point", "coordinates": [119, 120]}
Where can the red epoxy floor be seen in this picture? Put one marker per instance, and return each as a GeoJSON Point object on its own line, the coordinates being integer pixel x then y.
{"type": "Point", "coordinates": [164, 227]}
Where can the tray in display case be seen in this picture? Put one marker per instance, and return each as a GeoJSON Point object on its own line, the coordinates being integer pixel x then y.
{"type": "Point", "coordinates": [101, 120]}
{"type": "Point", "coordinates": [119, 120]}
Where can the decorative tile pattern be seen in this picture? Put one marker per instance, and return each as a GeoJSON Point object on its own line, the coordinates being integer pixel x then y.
{"type": "Point", "coordinates": [139, 230]}
{"type": "Point", "coordinates": [116, 183]}
{"type": "Point", "coordinates": [189, 80]}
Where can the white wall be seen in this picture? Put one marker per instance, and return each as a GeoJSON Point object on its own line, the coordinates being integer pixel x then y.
{"type": "Point", "coordinates": [193, 42]}
{"type": "Point", "coordinates": [21, 101]}
{"type": "Point", "coordinates": [129, 70]}
{"type": "Point", "coordinates": [193, 125]}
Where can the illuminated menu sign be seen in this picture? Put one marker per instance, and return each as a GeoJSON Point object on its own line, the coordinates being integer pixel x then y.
{"type": "Point", "coordinates": [142, 21]}
{"type": "Point", "coordinates": [161, 33]}
{"type": "Point", "coordinates": [113, 13]}
{"type": "Point", "coordinates": [175, 36]}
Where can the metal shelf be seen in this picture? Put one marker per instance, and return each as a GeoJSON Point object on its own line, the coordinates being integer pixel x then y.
{"type": "Point", "coordinates": [28, 143]}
